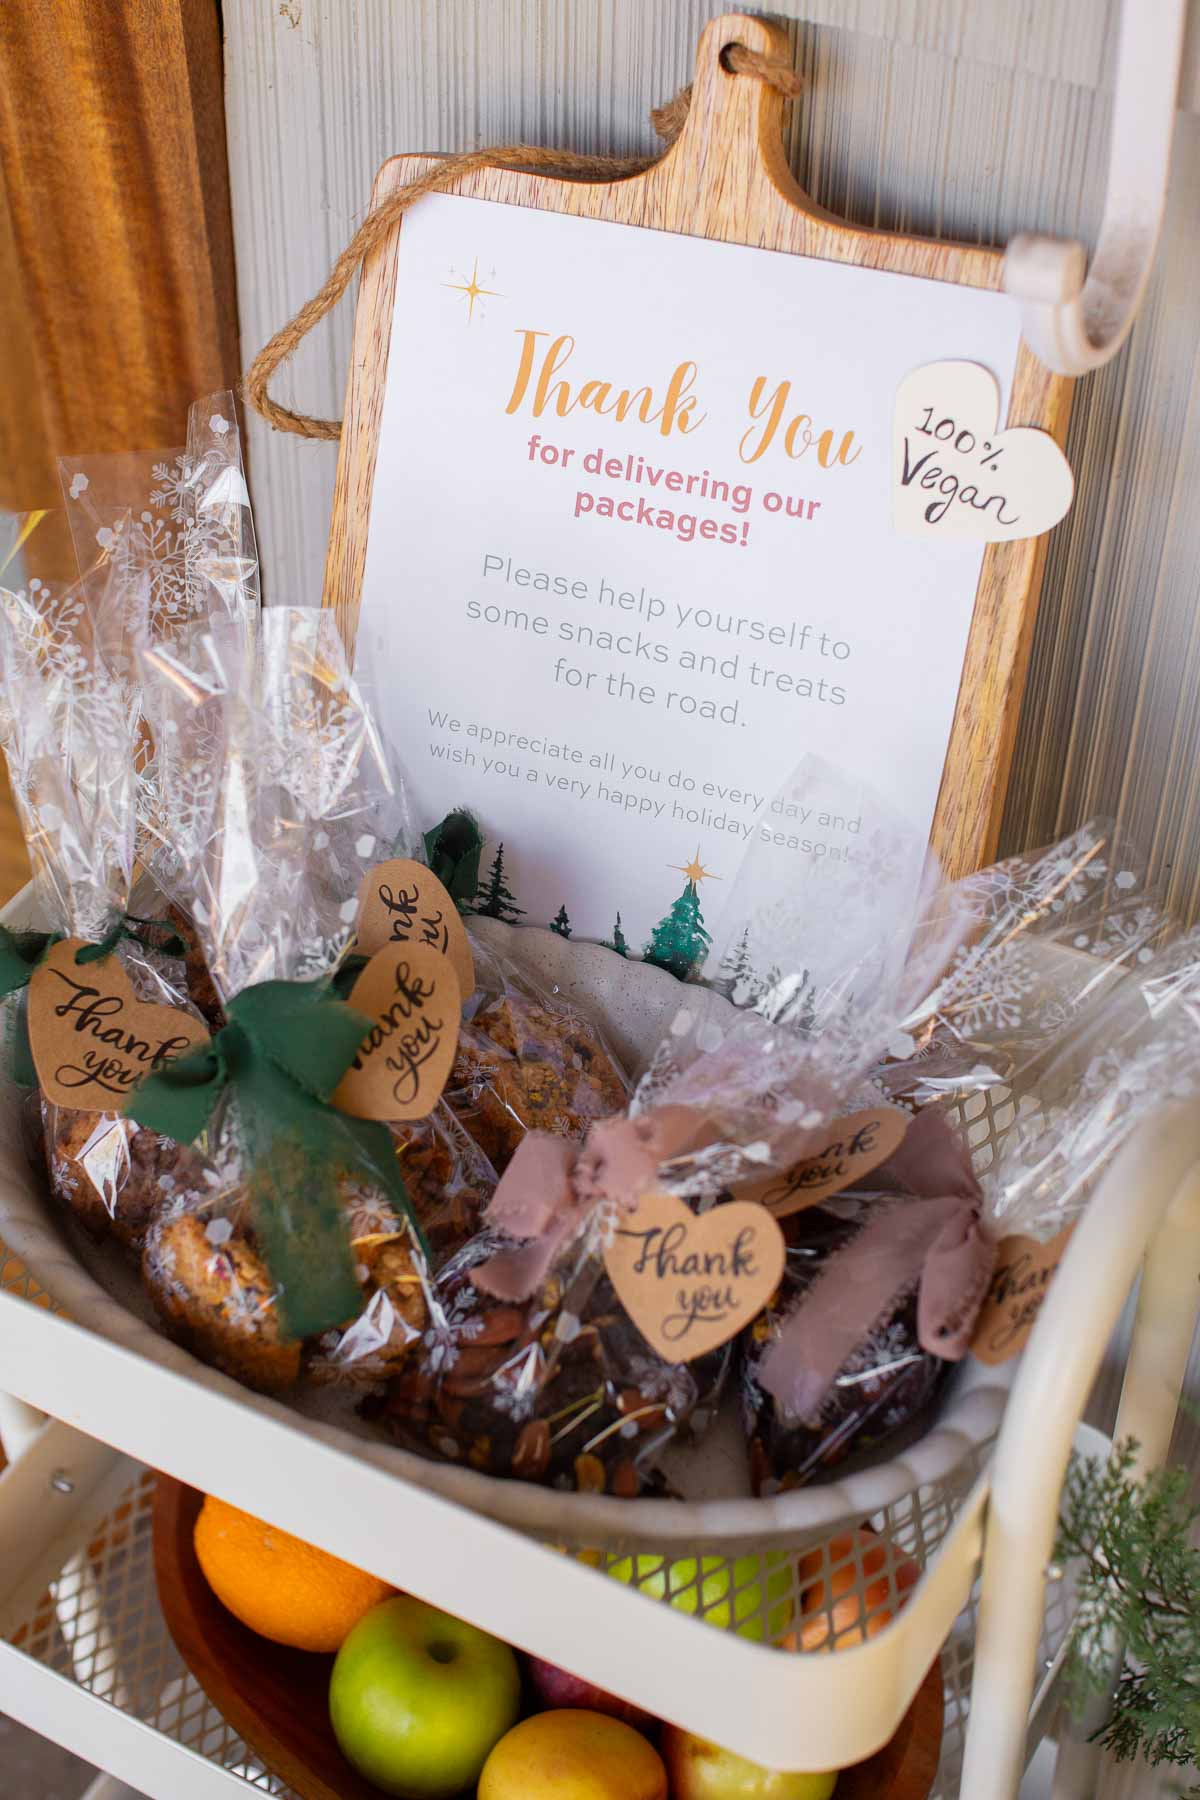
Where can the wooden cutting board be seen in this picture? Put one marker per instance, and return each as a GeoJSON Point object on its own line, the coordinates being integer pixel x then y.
{"type": "Point", "coordinates": [277, 1698]}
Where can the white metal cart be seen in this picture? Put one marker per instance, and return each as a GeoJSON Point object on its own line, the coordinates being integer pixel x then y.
{"type": "Point", "coordinates": [85, 1657]}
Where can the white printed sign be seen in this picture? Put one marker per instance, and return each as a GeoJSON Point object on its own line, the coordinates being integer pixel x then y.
{"type": "Point", "coordinates": [956, 474]}
{"type": "Point", "coordinates": [632, 554]}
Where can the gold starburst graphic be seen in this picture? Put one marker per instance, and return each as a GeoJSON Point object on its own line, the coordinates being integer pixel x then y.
{"type": "Point", "coordinates": [695, 870]}
{"type": "Point", "coordinates": [472, 290]}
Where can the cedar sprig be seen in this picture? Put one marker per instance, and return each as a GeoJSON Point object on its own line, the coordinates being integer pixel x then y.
{"type": "Point", "coordinates": [1137, 1586]}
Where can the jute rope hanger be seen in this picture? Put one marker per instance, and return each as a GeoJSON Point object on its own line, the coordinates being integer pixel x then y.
{"type": "Point", "coordinates": [667, 120]}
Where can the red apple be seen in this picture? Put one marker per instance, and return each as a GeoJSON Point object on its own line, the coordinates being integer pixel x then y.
{"type": "Point", "coordinates": [556, 1687]}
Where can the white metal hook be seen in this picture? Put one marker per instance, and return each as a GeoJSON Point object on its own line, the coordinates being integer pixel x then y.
{"type": "Point", "coordinates": [1075, 317]}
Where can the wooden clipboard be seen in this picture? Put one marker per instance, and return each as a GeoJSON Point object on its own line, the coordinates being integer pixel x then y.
{"type": "Point", "coordinates": [726, 177]}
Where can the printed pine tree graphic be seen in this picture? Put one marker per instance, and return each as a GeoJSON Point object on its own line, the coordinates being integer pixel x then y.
{"type": "Point", "coordinates": [679, 941]}
{"type": "Point", "coordinates": [617, 941]}
{"type": "Point", "coordinates": [493, 899]}
{"type": "Point", "coordinates": [735, 977]}
{"type": "Point", "coordinates": [561, 923]}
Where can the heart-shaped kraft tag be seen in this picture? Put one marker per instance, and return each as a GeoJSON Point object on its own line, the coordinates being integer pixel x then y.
{"type": "Point", "coordinates": [855, 1145]}
{"type": "Point", "coordinates": [412, 994]}
{"type": "Point", "coordinates": [689, 1281]}
{"type": "Point", "coordinates": [403, 902]}
{"type": "Point", "coordinates": [93, 1040]}
{"type": "Point", "coordinates": [957, 474]}
{"type": "Point", "coordinates": [1021, 1279]}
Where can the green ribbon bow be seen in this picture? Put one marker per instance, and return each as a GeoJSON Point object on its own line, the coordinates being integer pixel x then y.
{"type": "Point", "coordinates": [20, 954]}
{"type": "Point", "coordinates": [283, 1052]}
{"type": "Point", "coordinates": [452, 850]}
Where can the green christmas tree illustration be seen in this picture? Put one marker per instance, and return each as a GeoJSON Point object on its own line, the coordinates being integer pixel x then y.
{"type": "Point", "coordinates": [561, 923]}
{"type": "Point", "coordinates": [617, 941]}
{"type": "Point", "coordinates": [493, 899]}
{"type": "Point", "coordinates": [679, 941]}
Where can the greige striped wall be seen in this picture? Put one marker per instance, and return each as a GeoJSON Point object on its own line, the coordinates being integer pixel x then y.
{"type": "Point", "coordinates": [966, 118]}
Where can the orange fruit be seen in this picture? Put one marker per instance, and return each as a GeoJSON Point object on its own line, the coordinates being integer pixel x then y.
{"type": "Point", "coordinates": [279, 1586]}
{"type": "Point", "coordinates": [833, 1615]}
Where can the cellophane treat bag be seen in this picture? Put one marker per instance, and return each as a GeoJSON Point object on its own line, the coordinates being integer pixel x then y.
{"type": "Point", "coordinates": [166, 541]}
{"type": "Point", "coordinates": [886, 1271]}
{"type": "Point", "coordinates": [547, 1358]}
{"type": "Point", "coordinates": [294, 1215]}
{"type": "Point", "coordinates": [69, 740]}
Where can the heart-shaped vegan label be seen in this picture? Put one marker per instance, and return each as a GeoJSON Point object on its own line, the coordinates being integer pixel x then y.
{"type": "Point", "coordinates": [412, 994]}
{"type": "Point", "coordinates": [855, 1145]}
{"type": "Point", "coordinates": [956, 473]}
{"type": "Point", "coordinates": [93, 1040]}
{"type": "Point", "coordinates": [1021, 1279]}
{"type": "Point", "coordinates": [403, 902]}
{"type": "Point", "coordinates": [690, 1281]}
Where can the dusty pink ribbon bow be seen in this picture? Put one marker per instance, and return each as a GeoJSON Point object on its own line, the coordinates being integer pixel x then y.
{"type": "Point", "coordinates": [553, 1185]}
{"type": "Point", "coordinates": [934, 1239]}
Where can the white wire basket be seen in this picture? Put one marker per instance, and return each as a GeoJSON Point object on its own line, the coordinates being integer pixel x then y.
{"type": "Point", "coordinates": [773, 1566]}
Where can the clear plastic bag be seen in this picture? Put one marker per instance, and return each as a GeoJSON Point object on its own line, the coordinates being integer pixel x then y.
{"type": "Point", "coordinates": [70, 742]}
{"type": "Point", "coordinates": [166, 540]}
{"type": "Point", "coordinates": [1050, 938]}
{"type": "Point", "coordinates": [530, 1365]}
{"type": "Point", "coordinates": [528, 1061]}
{"type": "Point", "coordinates": [283, 798]}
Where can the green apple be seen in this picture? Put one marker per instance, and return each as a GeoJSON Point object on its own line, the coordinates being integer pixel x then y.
{"type": "Point", "coordinates": [699, 1770]}
{"type": "Point", "coordinates": [729, 1597]}
{"type": "Point", "coordinates": [418, 1699]}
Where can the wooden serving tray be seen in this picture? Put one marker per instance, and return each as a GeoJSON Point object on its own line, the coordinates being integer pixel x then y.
{"type": "Point", "coordinates": [278, 1698]}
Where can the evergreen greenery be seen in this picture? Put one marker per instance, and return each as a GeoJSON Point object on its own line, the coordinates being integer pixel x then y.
{"type": "Point", "coordinates": [561, 923]}
{"type": "Point", "coordinates": [493, 899]}
{"type": "Point", "coordinates": [680, 941]}
{"type": "Point", "coordinates": [618, 939]}
{"type": "Point", "coordinates": [1138, 1587]}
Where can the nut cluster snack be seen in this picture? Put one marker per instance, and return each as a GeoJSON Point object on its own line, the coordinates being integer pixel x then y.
{"type": "Point", "coordinates": [525, 1066]}
{"type": "Point", "coordinates": [540, 1391]}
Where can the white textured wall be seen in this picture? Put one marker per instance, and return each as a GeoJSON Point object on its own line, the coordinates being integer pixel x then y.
{"type": "Point", "coordinates": [965, 118]}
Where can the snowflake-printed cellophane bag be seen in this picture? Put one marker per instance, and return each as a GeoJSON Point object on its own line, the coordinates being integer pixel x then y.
{"type": "Point", "coordinates": [69, 741]}
{"type": "Point", "coordinates": [282, 797]}
{"type": "Point", "coordinates": [1054, 930]}
{"type": "Point", "coordinates": [531, 1366]}
{"type": "Point", "coordinates": [1048, 938]}
{"type": "Point", "coordinates": [1134, 1049]}
{"type": "Point", "coordinates": [168, 539]}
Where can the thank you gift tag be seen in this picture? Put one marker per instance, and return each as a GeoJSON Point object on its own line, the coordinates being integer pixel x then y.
{"type": "Point", "coordinates": [856, 1145]}
{"type": "Point", "coordinates": [957, 474]}
{"type": "Point", "coordinates": [690, 1281]}
{"type": "Point", "coordinates": [93, 1040]}
{"type": "Point", "coordinates": [412, 994]}
{"type": "Point", "coordinates": [1021, 1279]}
{"type": "Point", "coordinates": [403, 902]}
